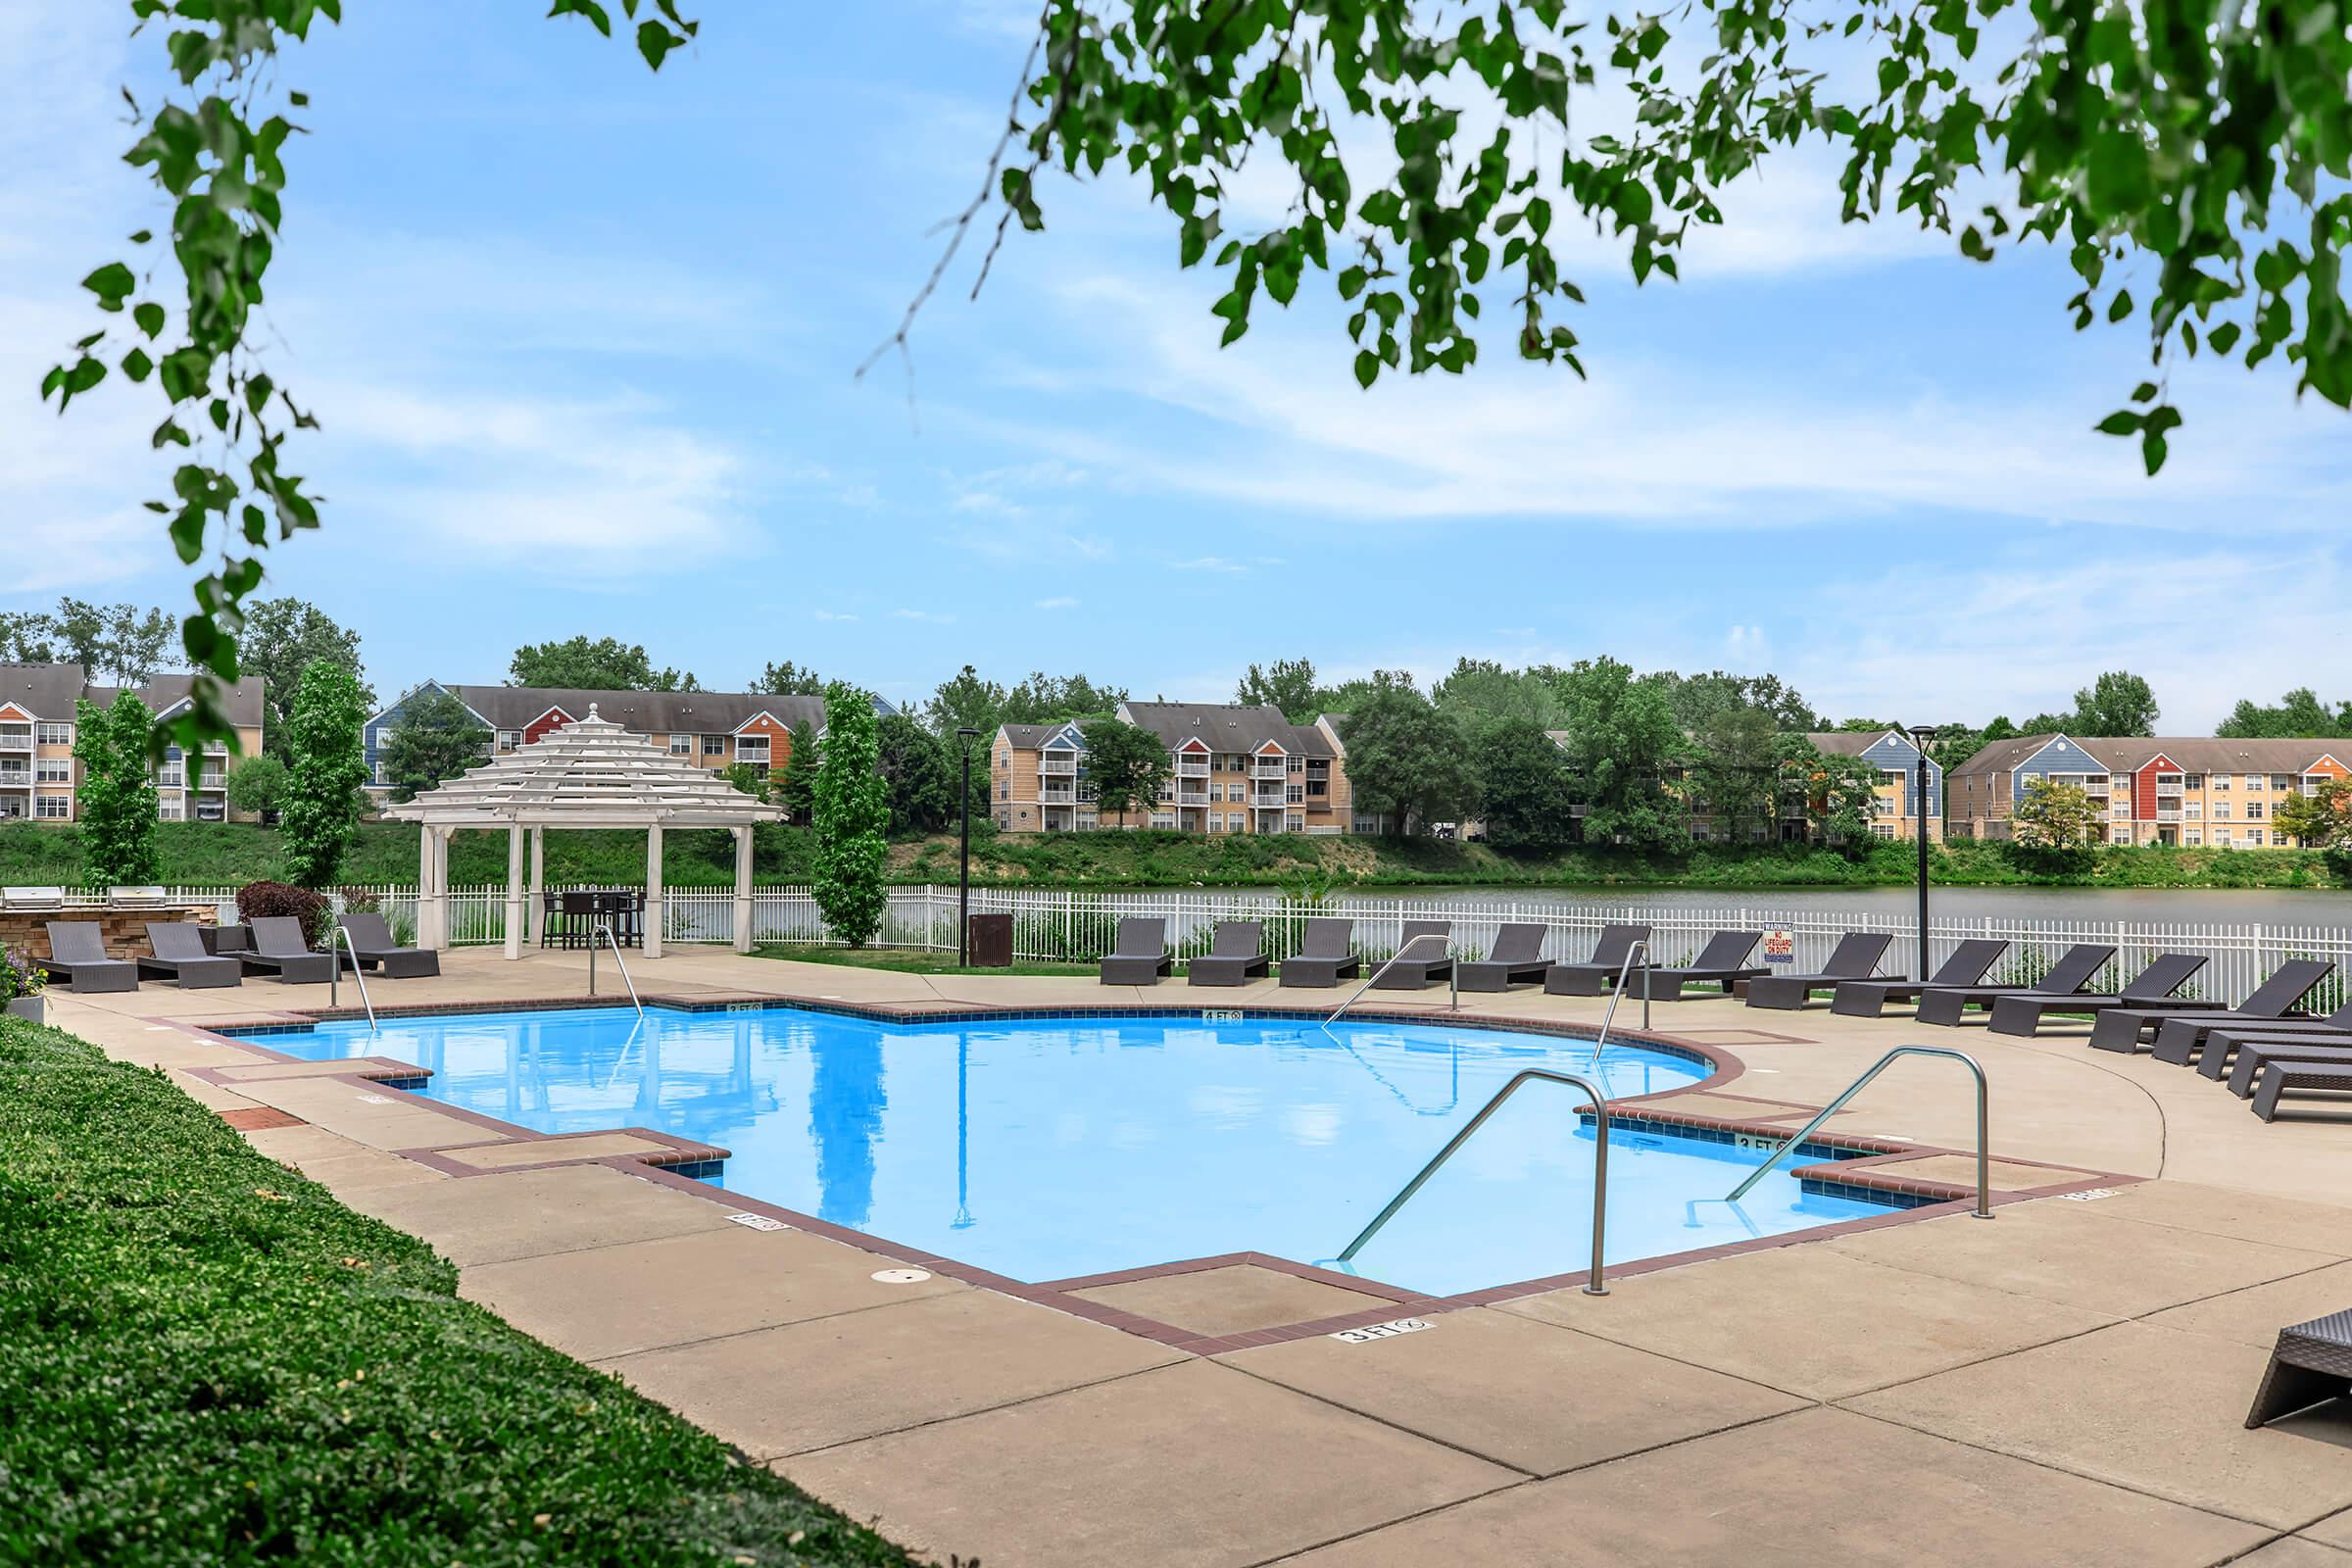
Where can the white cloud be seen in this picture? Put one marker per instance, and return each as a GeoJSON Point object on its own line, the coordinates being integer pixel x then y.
{"type": "Point", "coordinates": [833, 615]}
{"type": "Point", "coordinates": [1057, 602]}
{"type": "Point", "coordinates": [1217, 564]}
{"type": "Point", "coordinates": [927, 617]}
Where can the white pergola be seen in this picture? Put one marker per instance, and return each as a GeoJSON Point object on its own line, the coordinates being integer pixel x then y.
{"type": "Point", "coordinates": [592, 773]}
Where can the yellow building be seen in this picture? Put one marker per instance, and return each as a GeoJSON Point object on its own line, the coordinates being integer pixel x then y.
{"type": "Point", "coordinates": [40, 780]}
{"type": "Point", "coordinates": [1231, 769]}
{"type": "Point", "coordinates": [2195, 791]}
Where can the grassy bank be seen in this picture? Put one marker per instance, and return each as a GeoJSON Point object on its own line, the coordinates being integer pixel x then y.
{"type": "Point", "coordinates": [205, 853]}
{"type": "Point", "coordinates": [207, 1359]}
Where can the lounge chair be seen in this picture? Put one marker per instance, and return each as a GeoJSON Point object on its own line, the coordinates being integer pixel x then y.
{"type": "Point", "coordinates": [180, 956]}
{"type": "Point", "coordinates": [19, 898]}
{"type": "Point", "coordinates": [1855, 958]}
{"type": "Point", "coordinates": [1868, 999]}
{"type": "Point", "coordinates": [2121, 1028]}
{"type": "Point", "coordinates": [1722, 961]}
{"type": "Point", "coordinates": [2021, 1011]}
{"type": "Point", "coordinates": [2300, 1077]}
{"type": "Point", "coordinates": [1595, 975]}
{"type": "Point", "coordinates": [2075, 968]}
{"type": "Point", "coordinates": [372, 947]}
{"type": "Point", "coordinates": [2208, 1040]}
{"type": "Point", "coordinates": [1323, 958]}
{"type": "Point", "coordinates": [1142, 954]}
{"type": "Point", "coordinates": [77, 957]}
{"type": "Point", "coordinates": [1516, 958]}
{"type": "Point", "coordinates": [1236, 955]}
{"type": "Point", "coordinates": [1419, 959]}
{"type": "Point", "coordinates": [280, 948]}
{"type": "Point", "coordinates": [2312, 1362]}
{"type": "Point", "coordinates": [2253, 1055]}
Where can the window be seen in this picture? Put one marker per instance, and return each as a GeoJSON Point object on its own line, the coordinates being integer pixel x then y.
{"type": "Point", "coordinates": [1882, 831]}
{"type": "Point", "coordinates": [2253, 811]}
{"type": "Point", "coordinates": [169, 810]}
{"type": "Point", "coordinates": [56, 734]}
{"type": "Point", "coordinates": [509, 740]}
{"type": "Point", "coordinates": [2221, 781]}
{"type": "Point", "coordinates": [380, 778]}
{"type": "Point", "coordinates": [2283, 781]}
{"type": "Point", "coordinates": [1296, 822]}
{"type": "Point", "coordinates": [1297, 764]}
{"type": "Point", "coordinates": [2195, 838]}
{"type": "Point", "coordinates": [1004, 790]}
{"type": "Point", "coordinates": [681, 746]}
{"type": "Point", "coordinates": [2120, 781]}
{"type": "Point", "coordinates": [2221, 812]}
{"type": "Point", "coordinates": [2278, 839]}
{"type": "Point", "coordinates": [1293, 795]}
{"type": "Point", "coordinates": [714, 746]}
{"type": "Point", "coordinates": [1005, 759]}
{"type": "Point", "coordinates": [751, 748]}
{"type": "Point", "coordinates": [1216, 794]}
{"type": "Point", "coordinates": [2119, 834]}
{"type": "Point", "coordinates": [56, 808]}
{"type": "Point", "coordinates": [54, 770]}
{"type": "Point", "coordinates": [2221, 835]}
{"type": "Point", "coordinates": [2256, 781]}
{"type": "Point", "coordinates": [1163, 821]}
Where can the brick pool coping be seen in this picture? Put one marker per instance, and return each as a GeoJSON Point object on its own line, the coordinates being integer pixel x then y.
{"type": "Point", "coordinates": [1870, 1173]}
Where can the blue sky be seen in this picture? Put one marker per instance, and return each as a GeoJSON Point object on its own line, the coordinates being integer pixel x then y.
{"type": "Point", "coordinates": [582, 338]}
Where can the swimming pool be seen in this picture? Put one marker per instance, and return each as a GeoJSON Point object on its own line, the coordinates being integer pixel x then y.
{"type": "Point", "coordinates": [1048, 1148]}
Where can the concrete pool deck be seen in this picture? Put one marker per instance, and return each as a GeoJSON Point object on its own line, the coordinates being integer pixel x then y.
{"type": "Point", "coordinates": [2065, 1384]}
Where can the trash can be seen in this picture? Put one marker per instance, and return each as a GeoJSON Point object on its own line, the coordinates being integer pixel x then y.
{"type": "Point", "coordinates": [988, 937]}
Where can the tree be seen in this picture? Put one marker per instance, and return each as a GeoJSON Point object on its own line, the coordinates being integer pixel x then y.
{"type": "Point", "coordinates": [1045, 699]}
{"type": "Point", "coordinates": [852, 813]}
{"type": "Point", "coordinates": [1836, 794]}
{"type": "Point", "coordinates": [1735, 772]}
{"type": "Point", "coordinates": [282, 638]}
{"type": "Point", "coordinates": [965, 700]}
{"type": "Point", "coordinates": [605, 664]}
{"type": "Point", "coordinates": [80, 628]}
{"type": "Point", "coordinates": [2201, 162]}
{"type": "Point", "coordinates": [435, 738]}
{"type": "Point", "coordinates": [1699, 700]}
{"type": "Point", "coordinates": [117, 793]}
{"type": "Point", "coordinates": [134, 644]}
{"type": "Point", "coordinates": [2320, 818]}
{"type": "Point", "coordinates": [1524, 791]}
{"type": "Point", "coordinates": [796, 792]}
{"type": "Point", "coordinates": [2053, 816]}
{"type": "Point", "coordinates": [2118, 702]}
{"type": "Point", "coordinates": [24, 638]}
{"type": "Point", "coordinates": [787, 679]}
{"type": "Point", "coordinates": [1288, 684]}
{"type": "Point", "coordinates": [2299, 715]}
{"type": "Point", "coordinates": [321, 807]}
{"type": "Point", "coordinates": [257, 785]}
{"type": "Point", "coordinates": [1127, 765]}
{"type": "Point", "coordinates": [2053, 724]}
{"type": "Point", "coordinates": [745, 777]}
{"type": "Point", "coordinates": [1958, 746]}
{"type": "Point", "coordinates": [915, 765]}
{"type": "Point", "coordinates": [1407, 760]}
{"type": "Point", "coordinates": [1481, 690]}
{"type": "Point", "coordinates": [1621, 738]}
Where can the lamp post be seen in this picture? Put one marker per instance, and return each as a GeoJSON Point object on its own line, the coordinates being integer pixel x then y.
{"type": "Point", "coordinates": [1921, 735]}
{"type": "Point", "coordinates": [964, 855]}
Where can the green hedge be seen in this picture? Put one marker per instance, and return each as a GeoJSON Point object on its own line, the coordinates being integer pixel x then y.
{"type": "Point", "coordinates": [204, 1358]}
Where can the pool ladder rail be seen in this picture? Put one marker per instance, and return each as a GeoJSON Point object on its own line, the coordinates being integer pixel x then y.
{"type": "Point", "coordinates": [1601, 1166]}
{"type": "Point", "coordinates": [1984, 1209]}
{"type": "Point", "coordinates": [605, 930]}
{"type": "Point", "coordinates": [1608, 1017]}
{"type": "Point", "coordinates": [334, 976]}
{"type": "Point", "coordinates": [1453, 993]}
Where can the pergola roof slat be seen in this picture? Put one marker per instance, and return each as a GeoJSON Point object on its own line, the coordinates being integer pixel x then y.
{"type": "Point", "coordinates": [592, 773]}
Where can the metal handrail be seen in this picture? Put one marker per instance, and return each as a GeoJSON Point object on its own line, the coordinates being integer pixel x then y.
{"type": "Point", "coordinates": [604, 928]}
{"type": "Point", "coordinates": [334, 975]}
{"type": "Point", "coordinates": [1623, 969]}
{"type": "Point", "coordinates": [1984, 1185]}
{"type": "Point", "coordinates": [1601, 1164]}
{"type": "Point", "coordinates": [1453, 994]}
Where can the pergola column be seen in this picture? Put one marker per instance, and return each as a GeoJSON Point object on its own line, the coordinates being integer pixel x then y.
{"type": "Point", "coordinates": [432, 914]}
{"type": "Point", "coordinates": [538, 895]}
{"type": "Point", "coordinates": [441, 838]}
{"type": "Point", "coordinates": [743, 890]}
{"type": "Point", "coordinates": [653, 891]}
{"type": "Point", "coordinates": [515, 903]}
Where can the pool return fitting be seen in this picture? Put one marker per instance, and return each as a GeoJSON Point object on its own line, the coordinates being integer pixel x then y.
{"type": "Point", "coordinates": [1983, 1208]}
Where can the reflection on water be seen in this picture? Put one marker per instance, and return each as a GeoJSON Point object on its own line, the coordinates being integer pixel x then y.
{"type": "Point", "coordinates": [845, 1113]}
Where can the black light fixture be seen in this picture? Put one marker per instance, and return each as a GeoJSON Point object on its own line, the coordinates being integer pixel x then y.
{"type": "Point", "coordinates": [1921, 735]}
{"type": "Point", "coordinates": [964, 856]}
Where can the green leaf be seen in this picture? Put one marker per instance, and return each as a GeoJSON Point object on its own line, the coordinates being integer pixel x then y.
{"type": "Point", "coordinates": [149, 315]}
{"type": "Point", "coordinates": [2120, 423]}
{"type": "Point", "coordinates": [137, 365]}
{"type": "Point", "coordinates": [655, 42]}
{"type": "Point", "coordinates": [1367, 368]}
{"type": "Point", "coordinates": [112, 283]}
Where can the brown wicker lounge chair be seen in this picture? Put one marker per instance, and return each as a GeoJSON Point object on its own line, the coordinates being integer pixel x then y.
{"type": "Point", "coordinates": [1722, 961]}
{"type": "Point", "coordinates": [180, 956]}
{"type": "Point", "coordinates": [280, 948]}
{"type": "Point", "coordinates": [1323, 958]}
{"type": "Point", "coordinates": [1236, 955]}
{"type": "Point", "coordinates": [1594, 977]}
{"type": "Point", "coordinates": [2020, 1013]}
{"type": "Point", "coordinates": [1868, 999]}
{"type": "Point", "coordinates": [1417, 963]}
{"type": "Point", "coordinates": [2311, 1363]}
{"type": "Point", "coordinates": [77, 957]}
{"type": "Point", "coordinates": [2207, 1041]}
{"type": "Point", "coordinates": [2075, 968]}
{"type": "Point", "coordinates": [1855, 958]}
{"type": "Point", "coordinates": [1516, 958]}
{"type": "Point", "coordinates": [2121, 1028]}
{"type": "Point", "coordinates": [372, 947]}
{"type": "Point", "coordinates": [1142, 954]}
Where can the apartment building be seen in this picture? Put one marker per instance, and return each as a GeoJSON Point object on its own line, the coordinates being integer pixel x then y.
{"type": "Point", "coordinates": [1895, 811]}
{"type": "Point", "coordinates": [1231, 769]}
{"type": "Point", "coordinates": [2191, 791]}
{"type": "Point", "coordinates": [716, 729]}
{"type": "Point", "coordinates": [40, 780]}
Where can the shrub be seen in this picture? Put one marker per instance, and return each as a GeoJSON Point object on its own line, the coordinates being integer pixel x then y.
{"type": "Point", "coordinates": [263, 899]}
{"type": "Point", "coordinates": [19, 976]}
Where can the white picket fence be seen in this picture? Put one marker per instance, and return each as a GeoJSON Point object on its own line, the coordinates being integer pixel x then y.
{"type": "Point", "coordinates": [1080, 927]}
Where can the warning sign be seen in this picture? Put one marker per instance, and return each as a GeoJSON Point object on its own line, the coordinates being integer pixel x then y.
{"type": "Point", "coordinates": [1779, 948]}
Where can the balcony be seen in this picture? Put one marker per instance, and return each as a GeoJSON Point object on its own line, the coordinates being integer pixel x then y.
{"type": "Point", "coordinates": [171, 779]}
{"type": "Point", "coordinates": [1191, 768]}
{"type": "Point", "coordinates": [1050, 794]}
{"type": "Point", "coordinates": [2167, 816]}
{"type": "Point", "coordinates": [1267, 800]}
{"type": "Point", "coordinates": [215, 782]}
{"type": "Point", "coordinates": [16, 778]}
{"type": "Point", "coordinates": [1277, 768]}
{"type": "Point", "coordinates": [1057, 763]}
{"type": "Point", "coordinates": [1191, 797]}
{"type": "Point", "coordinates": [16, 737]}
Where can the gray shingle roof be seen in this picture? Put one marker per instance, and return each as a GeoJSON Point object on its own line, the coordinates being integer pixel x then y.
{"type": "Point", "coordinates": [1853, 742]}
{"type": "Point", "coordinates": [2192, 753]}
{"type": "Point", "coordinates": [1227, 727]}
{"type": "Point", "coordinates": [647, 713]}
{"type": "Point", "coordinates": [48, 691]}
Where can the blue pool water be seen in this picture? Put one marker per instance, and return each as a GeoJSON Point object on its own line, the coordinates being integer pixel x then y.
{"type": "Point", "coordinates": [1044, 1149]}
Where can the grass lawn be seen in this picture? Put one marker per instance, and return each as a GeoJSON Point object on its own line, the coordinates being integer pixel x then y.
{"type": "Point", "coordinates": [206, 1358]}
{"type": "Point", "coordinates": [905, 960]}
